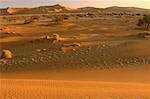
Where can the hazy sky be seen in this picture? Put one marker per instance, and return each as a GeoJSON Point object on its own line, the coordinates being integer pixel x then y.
{"type": "Point", "coordinates": [75, 3]}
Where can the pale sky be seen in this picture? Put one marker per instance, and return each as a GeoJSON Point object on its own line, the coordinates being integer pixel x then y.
{"type": "Point", "coordinates": [76, 3]}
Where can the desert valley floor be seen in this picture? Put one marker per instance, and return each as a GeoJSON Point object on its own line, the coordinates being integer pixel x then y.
{"type": "Point", "coordinates": [111, 61]}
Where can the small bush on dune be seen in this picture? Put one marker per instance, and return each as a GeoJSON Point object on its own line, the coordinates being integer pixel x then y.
{"type": "Point", "coordinates": [56, 38]}
{"type": "Point", "coordinates": [145, 21]}
{"type": "Point", "coordinates": [144, 35]}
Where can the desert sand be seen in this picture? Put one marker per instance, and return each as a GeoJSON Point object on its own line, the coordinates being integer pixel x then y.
{"type": "Point", "coordinates": [101, 53]}
{"type": "Point", "coordinates": [29, 89]}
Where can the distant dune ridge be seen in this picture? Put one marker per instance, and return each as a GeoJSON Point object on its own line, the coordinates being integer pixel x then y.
{"type": "Point", "coordinates": [16, 10]}
{"type": "Point", "coordinates": [11, 10]}
{"type": "Point", "coordinates": [36, 10]}
{"type": "Point", "coordinates": [60, 8]}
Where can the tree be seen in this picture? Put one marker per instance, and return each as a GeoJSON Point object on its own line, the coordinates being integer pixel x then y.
{"type": "Point", "coordinates": [145, 21]}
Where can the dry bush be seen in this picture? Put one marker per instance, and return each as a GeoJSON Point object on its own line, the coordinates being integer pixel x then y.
{"type": "Point", "coordinates": [75, 44]}
{"type": "Point", "coordinates": [59, 19]}
{"type": "Point", "coordinates": [144, 22]}
{"type": "Point", "coordinates": [27, 21]}
{"type": "Point", "coordinates": [34, 17]}
{"type": "Point", "coordinates": [56, 37]}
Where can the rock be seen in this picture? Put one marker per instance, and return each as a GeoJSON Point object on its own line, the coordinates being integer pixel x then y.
{"type": "Point", "coordinates": [7, 54]}
{"type": "Point", "coordinates": [32, 59]}
{"type": "Point", "coordinates": [144, 35]}
{"type": "Point", "coordinates": [128, 62]}
{"type": "Point", "coordinates": [103, 45]}
{"type": "Point", "coordinates": [44, 49]}
{"type": "Point", "coordinates": [15, 63]}
{"type": "Point", "coordinates": [3, 61]}
{"type": "Point", "coordinates": [23, 58]}
{"type": "Point", "coordinates": [38, 50]}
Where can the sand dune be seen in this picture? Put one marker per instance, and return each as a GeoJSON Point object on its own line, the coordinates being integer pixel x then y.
{"type": "Point", "coordinates": [99, 53]}
{"type": "Point", "coordinates": [29, 89]}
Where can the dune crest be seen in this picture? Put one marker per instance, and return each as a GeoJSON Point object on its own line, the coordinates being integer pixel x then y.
{"type": "Point", "coordinates": [60, 8]}
{"type": "Point", "coordinates": [11, 10]}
